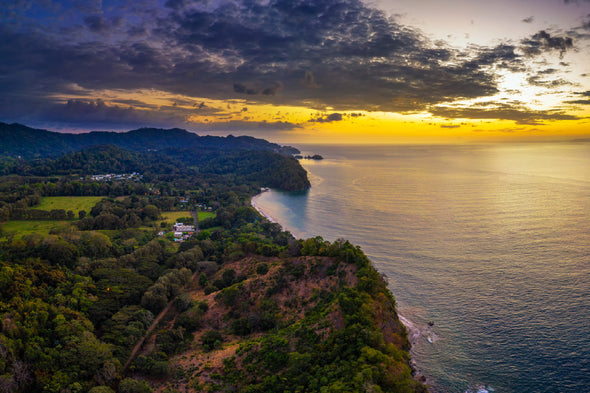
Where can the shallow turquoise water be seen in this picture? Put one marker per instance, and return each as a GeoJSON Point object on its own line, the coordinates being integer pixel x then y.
{"type": "Point", "coordinates": [489, 242]}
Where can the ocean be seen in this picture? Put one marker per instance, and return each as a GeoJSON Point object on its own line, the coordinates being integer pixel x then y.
{"type": "Point", "coordinates": [486, 249]}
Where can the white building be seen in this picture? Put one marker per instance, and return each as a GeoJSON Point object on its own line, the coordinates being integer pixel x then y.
{"type": "Point", "coordinates": [180, 227]}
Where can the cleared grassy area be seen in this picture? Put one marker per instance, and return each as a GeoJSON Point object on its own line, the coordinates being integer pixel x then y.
{"type": "Point", "coordinates": [42, 227]}
{"type": "Point", "coordinates": [172, 217]}
{"type": "Point", "coordinates": [66, 203]}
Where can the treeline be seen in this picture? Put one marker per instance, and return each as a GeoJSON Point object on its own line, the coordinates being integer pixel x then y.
{"type": "Point", "coordinates": [238, 167]}
{"type": "Point", "coordinates": [130, 212]}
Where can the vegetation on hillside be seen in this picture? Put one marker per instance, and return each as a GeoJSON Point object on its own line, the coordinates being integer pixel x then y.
{"type": "Point", "coordinates": [260, 168]}
{"type": "Point", "coordinates": [99, 301]}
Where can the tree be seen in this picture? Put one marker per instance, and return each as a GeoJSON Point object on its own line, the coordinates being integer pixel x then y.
{"type": "Point", "coordinates": [130, 385]}
{"type": "Point", "coordinates": [230, 296]}
{"type": "Point", "coordinates": [212, 339]}
{"type": "Point", "coordinates": [96, 244]}
{"type": "Point", "coordinates": [62, 252]}
{"type": "Point", "coordinates": [101, 389]}
{"type": "Point", "coordinates": [151, 212]}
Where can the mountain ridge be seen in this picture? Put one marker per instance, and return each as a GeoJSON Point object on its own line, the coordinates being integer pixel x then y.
{"type": "Point", "coordinates": [19, 140]}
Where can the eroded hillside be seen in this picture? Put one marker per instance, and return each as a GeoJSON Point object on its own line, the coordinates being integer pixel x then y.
{"type": "Point", "coordinates": [306, 323]}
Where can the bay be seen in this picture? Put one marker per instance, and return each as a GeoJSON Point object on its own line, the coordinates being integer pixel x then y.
{"type": "Point", "coordinates": [485, 247]}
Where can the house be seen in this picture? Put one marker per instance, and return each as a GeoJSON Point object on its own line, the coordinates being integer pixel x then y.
{"type": "Point", "coordinates": [180, 227]}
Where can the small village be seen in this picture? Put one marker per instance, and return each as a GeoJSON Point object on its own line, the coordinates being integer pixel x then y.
{"type": "Point", "coordinates": [183, 232]}
{"type": "Point", "coordinates": [117, 176]}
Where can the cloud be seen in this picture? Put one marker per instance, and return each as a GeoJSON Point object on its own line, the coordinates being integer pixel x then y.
{"type": "Point", "coordinates": [309, 80]}
{"type": "Point", "coordinates": [242, 89]}
{"type": "Point", "coordinates": [267, 91]}
{"type": "Point", "coordinates": [98, 114]}
{"type": "Point", "coordinates": [242, 126]}
{"type": "Point", "coordinates": [530, 19]}
{"type": "Point", "coordinates": [585, 101]}
{"type": "Point", "coordinates": [96, 23]}
{"type": "Point", "coordinates": [502, 55]}
{"type": "Point", "coordinates": [543, 41]}
{"type": "Point", "coordinates": [536, 80]}
{"type": "Point", "coordinates": [519, 114]}
{"type": "Point", "coordinates": [580, 102]}
{"type": "Point", "coordinates": [328, 118]}
{"type": "Point", "coordinates": [331, 55]}
{"type": "Point", "coordinates": [547, 71]}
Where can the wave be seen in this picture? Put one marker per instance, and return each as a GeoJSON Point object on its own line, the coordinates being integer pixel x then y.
{"type": "Point", "coordinates": [416, 332]}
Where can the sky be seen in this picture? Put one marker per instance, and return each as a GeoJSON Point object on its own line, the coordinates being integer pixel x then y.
{"type": "Point", "coordinates": [307, 71]}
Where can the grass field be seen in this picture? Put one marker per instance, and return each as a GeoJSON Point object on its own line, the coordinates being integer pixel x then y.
{"type": "Point", "coordinates": [74, 204]}
{"type": "Point", "coordinates": [171, 217]}
{"type": "Point", "coordinates": [41, 227]}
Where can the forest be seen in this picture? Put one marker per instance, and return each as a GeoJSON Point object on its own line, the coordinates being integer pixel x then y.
{"type": "Point", "coordinates": [103, 299]}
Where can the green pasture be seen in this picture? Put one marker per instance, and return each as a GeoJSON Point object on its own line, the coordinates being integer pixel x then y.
{"type": "Point", "coordinates": [66, 203]}
{"type": "Point", "coordinates": [42, 227]}
{"type": "Point", "coordinates": [172, 217]}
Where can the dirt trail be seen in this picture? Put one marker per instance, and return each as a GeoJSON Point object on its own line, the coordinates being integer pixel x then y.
{"type": "Point", "coordinates": [157, 320]}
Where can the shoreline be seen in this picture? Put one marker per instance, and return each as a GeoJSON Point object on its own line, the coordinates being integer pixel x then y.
{"type": "Point", "coordinates": [415, 332]}
{"type": "Point", "coordinates": [260, 210]}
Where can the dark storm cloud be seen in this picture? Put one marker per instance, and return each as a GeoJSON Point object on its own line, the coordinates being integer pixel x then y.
{"type": "Point", "coordinates": [175, 4]}
{"type": "Point", "coordinates": [96, 23]}
{"type": "Point", "coordinates": [328, 53]}
{"type": "Point", "coordinates": [543, 41]}
{"type": "Point", "coordinates": [267, 91]}
{"type": "Point", "coordinates": [98, 114]}
{"type": "Point", "coordinates": [242, 89]}
{"type": "Point", "coordinates": [341, 54]}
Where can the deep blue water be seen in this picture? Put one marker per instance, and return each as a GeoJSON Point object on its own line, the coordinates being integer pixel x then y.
{"type": "Point", "coordinates": [489, 242]}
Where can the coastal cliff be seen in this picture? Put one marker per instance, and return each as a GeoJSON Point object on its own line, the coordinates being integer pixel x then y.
{"type": "Point", "coordinates": [320, 319]}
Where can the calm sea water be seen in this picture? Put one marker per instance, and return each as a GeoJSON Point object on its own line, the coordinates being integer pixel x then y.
{"type": "Point", "coordinates": [490, 243]}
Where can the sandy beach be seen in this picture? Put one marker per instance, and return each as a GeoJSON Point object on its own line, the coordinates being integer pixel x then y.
{"type": "Point", "coordinates": [260, 210]}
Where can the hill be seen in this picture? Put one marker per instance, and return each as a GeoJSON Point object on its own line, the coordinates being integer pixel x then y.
{"type": "Point", "coordinates": [27, 142]}
{"type": "Point", "coordinates": [268, 324]}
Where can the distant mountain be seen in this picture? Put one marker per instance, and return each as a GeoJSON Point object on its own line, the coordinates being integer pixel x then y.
{"type": "Point", "coordinates": [26, 142]}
